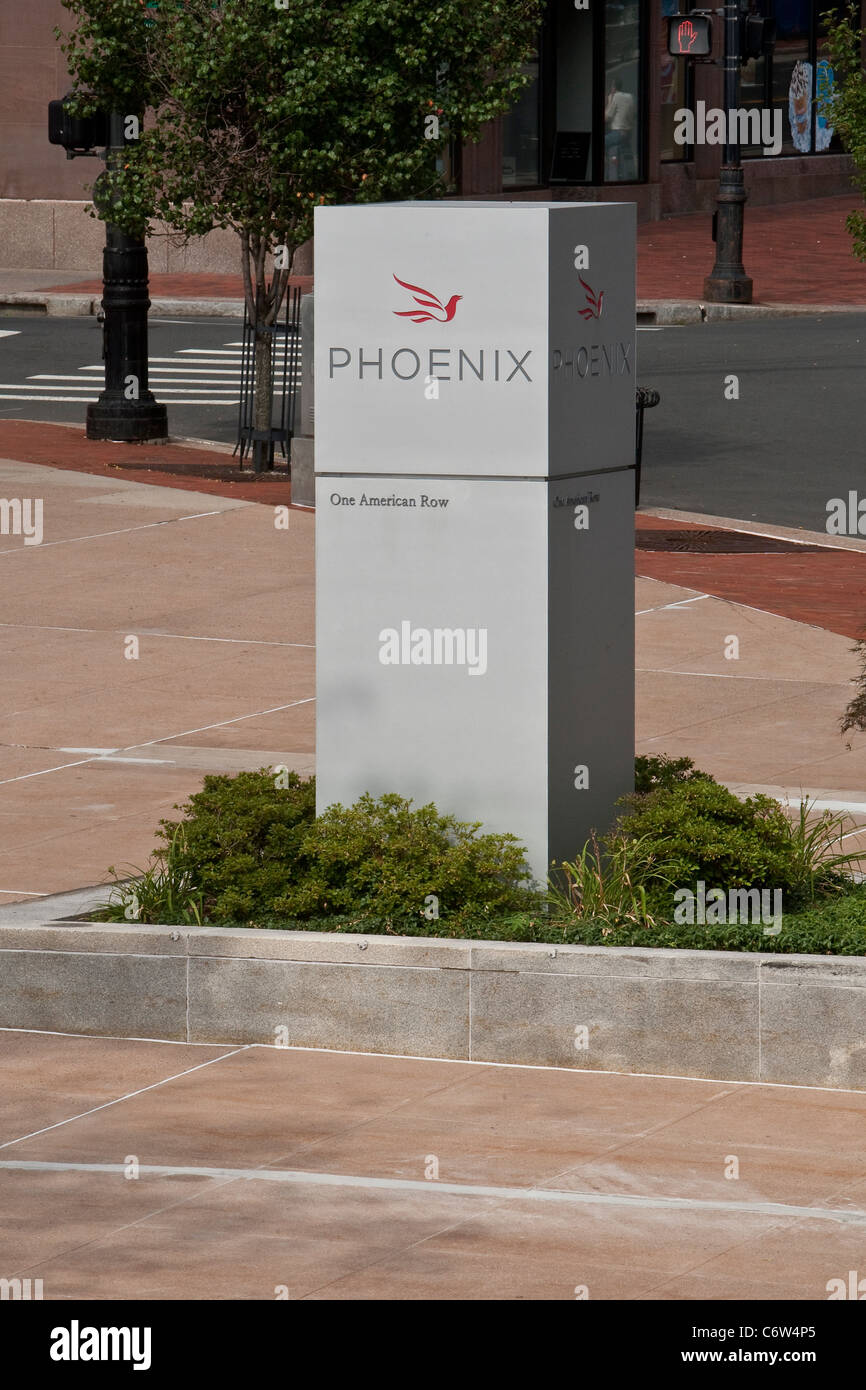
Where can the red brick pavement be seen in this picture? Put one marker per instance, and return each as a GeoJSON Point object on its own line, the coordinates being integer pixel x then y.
{"type": "Point", "coordinates": [826, 589]}
{"type": "Point", "coordinates": [61, 446]}
{"type": "Point", "coordinates": [179, 286]}
{"type": "Point", "coordinates": [796, 253]}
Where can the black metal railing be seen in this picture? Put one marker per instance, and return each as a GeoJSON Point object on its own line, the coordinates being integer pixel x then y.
{"type": "Point", "coordinates": [645, 399]}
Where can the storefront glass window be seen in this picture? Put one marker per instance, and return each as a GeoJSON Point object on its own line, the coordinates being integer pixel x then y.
{"type": "Point", "coordinates": [622, 93]}
{"type": "Point", "coordinates": [574, 92]}
{"type": "Point", "coordinates": [795, 79]}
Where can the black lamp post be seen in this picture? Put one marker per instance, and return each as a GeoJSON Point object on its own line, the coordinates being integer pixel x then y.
{"type": "Point", "coordinates": [126, 410]}
{"type": "Point", "coordinates": [729, 283]}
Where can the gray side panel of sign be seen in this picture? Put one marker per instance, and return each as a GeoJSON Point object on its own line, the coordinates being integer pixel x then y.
{"type": "Point", "coordinates": [592, 391]}
{"type": "Point", "coordinates": [591, 657]}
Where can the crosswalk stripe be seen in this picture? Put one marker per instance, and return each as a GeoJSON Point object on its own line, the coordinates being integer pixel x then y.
{"type": "Point", "coordinates": [218, 364]}
{"type": "Point", "coordinates": [151, 376]}
{"type": "Point", "coordinates": [193, 369]}
{"type": "Point", "coordinates": [83, 400]}
{"type": "Point", "coordinates": [200, 387]}
{"type": "Point", "coordinates": [192, 376]}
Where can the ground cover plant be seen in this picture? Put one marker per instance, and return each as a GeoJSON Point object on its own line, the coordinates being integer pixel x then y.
{"type": "Point", "coordinates": [250, 851]}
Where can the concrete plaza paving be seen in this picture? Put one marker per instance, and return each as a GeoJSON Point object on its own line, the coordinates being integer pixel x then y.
{"type": "Point", "coordinates": [266, 1172]}
{"type": "Point", "coordinates": [141, 1170]}
{"type": "Point", "coordinates": [96, 746]}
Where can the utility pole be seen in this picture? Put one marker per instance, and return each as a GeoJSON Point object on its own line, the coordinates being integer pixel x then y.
{"type": "Point", "coordinates": [127, 410]}
{"type": "Point", "coordinates": [729, 283]}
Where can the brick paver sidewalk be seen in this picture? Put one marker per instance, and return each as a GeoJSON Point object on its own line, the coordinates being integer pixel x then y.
{"type": "Point", "coordinates": [184, 286]}
{"type": "Point", "coordinates": [796, 253]}
{"type": "Point", "coordinates": [169, 465]}
{"type": "Point", "coordinates": [822, 586]}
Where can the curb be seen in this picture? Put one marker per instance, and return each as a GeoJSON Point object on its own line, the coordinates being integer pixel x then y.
{"type": "Point", "coordinates": [668, 312]}
{"type": "Point", "coordinates": [82, 305]}
{"type": "Point", "coordinates": [797, 534]}
{"type": "Point", "coordinates": [60, 305]}
{"type": "Point", "coordinates": [660, 312]}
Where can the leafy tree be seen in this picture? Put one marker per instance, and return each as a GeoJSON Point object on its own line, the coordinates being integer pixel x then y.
{"type": "Point", "coordinates": [259, 110]}
{"type": "Point", "coordinates": [845, 43]}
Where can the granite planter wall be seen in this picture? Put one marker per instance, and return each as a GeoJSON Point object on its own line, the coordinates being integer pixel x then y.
{"type": "Point", "coordinates": [725, 1015]}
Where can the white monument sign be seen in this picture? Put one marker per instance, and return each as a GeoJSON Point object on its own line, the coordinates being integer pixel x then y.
{"type": "Point", "coordinates": [475, 448]}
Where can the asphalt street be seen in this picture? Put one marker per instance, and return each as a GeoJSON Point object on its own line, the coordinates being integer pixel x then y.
{"type": "Point", "coordinates": [778, 453]}
{"type": "Point", "coordinates": [51, 367]}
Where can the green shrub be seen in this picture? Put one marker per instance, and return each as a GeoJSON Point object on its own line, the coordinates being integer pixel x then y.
{"type": "Point", "coordinates": [384, 860]}
{"type": "Point", "coordinates": [653, 774]}
{"type": "Point", "coordinates": [249, 850]}
{"type": "Point", "coordinates": [700, 830]}
{"type": "Point", "coordinates": [241, 840]}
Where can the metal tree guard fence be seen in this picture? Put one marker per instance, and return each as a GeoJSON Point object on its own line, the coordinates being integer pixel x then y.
{"type": "Point", "coordinates": [285, 367]}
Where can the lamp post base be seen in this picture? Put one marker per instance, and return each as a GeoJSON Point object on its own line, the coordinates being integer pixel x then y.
{"type": "Point", "coordinates": [729, 283]}
{"type": "Point", "coordinates": [126, 422]}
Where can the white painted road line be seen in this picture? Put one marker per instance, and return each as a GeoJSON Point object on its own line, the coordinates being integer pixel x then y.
{"type": "Point", "coordinates": [84, 400]}
{"type": "Point", "coordinates": [170, 373]}
{"type": "Point", "coordinates": [220, 388]}
{"type": "Point", "coordinates": [773, 1210]}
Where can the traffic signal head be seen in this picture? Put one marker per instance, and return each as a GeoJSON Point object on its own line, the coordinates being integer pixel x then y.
{"type": "Point", "coordinates": [758, 36]}
{"type": "Point", "coordinates": [77, 134]}
{"type": "Point", "coordinates": [690, 36]}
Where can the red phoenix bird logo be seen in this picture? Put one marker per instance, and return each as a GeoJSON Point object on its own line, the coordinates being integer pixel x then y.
{"type": "Point", "coordinates": [593, 311]}
{"type": "Point", "coordinates": [428, 303]}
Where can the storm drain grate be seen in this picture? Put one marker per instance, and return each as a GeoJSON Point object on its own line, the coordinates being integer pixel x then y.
{"type": "Point", "coordinates": [718, 542]}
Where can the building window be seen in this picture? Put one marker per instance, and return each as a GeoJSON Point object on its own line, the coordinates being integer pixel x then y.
{"type": "Point", "coordinates": [599, 100]}
{"type": "Point", "coordinates": [521, 153]}
{"type": "Point", "coordinates": [794, 79]}
{"type": "Point", "coordinates": [574, 95]}
{"type": "Point", "coordinates": [622, 87]}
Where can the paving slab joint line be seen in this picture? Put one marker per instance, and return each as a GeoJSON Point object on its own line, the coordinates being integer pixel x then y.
{"type": "Point", "coordinates": [130, 1095]}
{"type": "Point", "coordinates": [854, 1216]}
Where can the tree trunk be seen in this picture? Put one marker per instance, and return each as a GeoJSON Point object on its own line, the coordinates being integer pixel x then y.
{"type": "Point", "coordinates": [263, 402]}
